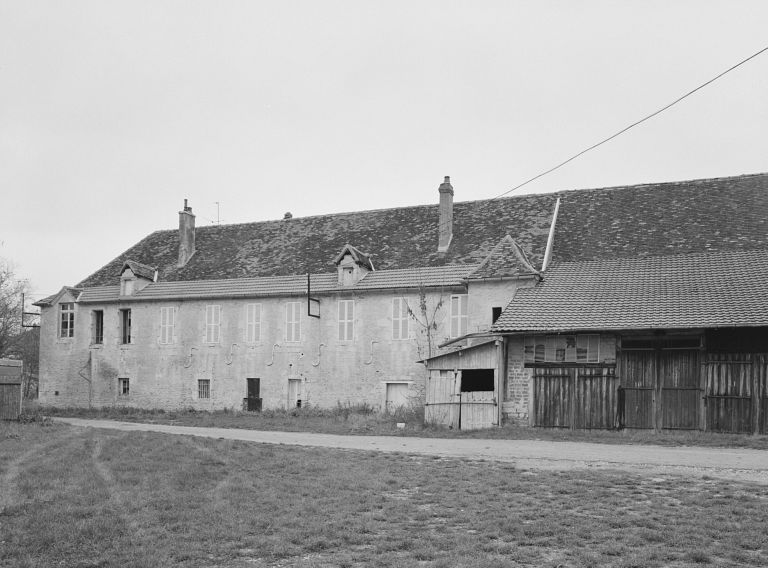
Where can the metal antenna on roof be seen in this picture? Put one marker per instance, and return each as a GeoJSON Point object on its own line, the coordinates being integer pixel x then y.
{"type": "Point", "coordinates": [218, 213]}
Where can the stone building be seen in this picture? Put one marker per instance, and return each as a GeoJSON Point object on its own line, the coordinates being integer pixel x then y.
{"type": "Point", "coordinates": [383, 307]}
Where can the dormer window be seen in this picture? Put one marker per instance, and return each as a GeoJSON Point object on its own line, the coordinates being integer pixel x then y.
{"type": "Point", "coordinates": [352, 265]}
{"type": "Point", "coordinates": [134, 276]}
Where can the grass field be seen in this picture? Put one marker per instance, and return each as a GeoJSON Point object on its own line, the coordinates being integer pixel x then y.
{"type": "Point", "coordinates": [88, 498]}
{"type": "Point", "coordinates": [362, 420]}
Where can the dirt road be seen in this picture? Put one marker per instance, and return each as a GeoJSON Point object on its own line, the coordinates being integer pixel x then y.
{"type": "Point", "coordinates": [734, 464]}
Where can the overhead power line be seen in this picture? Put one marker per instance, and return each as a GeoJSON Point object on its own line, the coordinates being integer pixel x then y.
{"type": "Point", "coordinates": [623, 130]}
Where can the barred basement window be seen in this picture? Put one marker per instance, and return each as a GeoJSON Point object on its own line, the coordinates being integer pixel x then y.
{"type": "Point", "coordinates": [123, 386]}
{"type": "Point", "coordinates": [204, 388]}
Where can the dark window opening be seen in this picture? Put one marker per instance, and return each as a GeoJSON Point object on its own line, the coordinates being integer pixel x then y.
{"type": "Point", "coordinates": [125, 326]}
{"type": "Point", "coordinates": [123, 386]}
{"type": "Point", "coordinates": [98, 327]}
{"type": "Point", "coordinates": [473, 380]}
{"type": "Point", "coordinates": [738, 340]}
{"type": "Point", "coordinates": [495, 313]}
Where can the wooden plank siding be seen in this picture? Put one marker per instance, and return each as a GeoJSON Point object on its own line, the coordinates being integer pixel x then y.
{"type": "Point", "coordinates": [10, 389]}
{"type": "Point", "coordinates": [736, 390]}
{"type": "Point", "coordinates": [575, 397]}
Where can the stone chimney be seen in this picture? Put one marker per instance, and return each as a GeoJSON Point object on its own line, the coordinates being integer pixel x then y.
{"type": "Point", "coordinates": [445, 228]}
{"type": "Point", "coordinates": [186, 235]}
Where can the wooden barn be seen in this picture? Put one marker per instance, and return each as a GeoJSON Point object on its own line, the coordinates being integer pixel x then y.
{"type": "Point", "coordinates": [677, 342]}
{"type": "Point", "coordinates": [10, 389]}
{"type": "Point", "coordinates": [462, 389]}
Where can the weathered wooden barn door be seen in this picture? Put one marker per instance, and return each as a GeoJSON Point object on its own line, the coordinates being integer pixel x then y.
{"type": "Point", "coordinates": [661, 383]}
{"type": "Point", "coordinates": [443, 398]}
{"type": "Point", "coordinates": [679, 378]}
{"type": "Point", "coordinates": [10, 389]}
{"type": "Point", "coordinates": [736, 392]}
{"type": "Point", "coordinates": [575, 397]}
{"type": "Point", "coordinates": [595, 397]}
{"type": "Point", "coordinates": [552, 397]}
{"type": "Point", "coordinates": [637, 370]}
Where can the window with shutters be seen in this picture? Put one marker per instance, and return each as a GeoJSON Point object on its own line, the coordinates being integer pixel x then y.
{"type": "Point", "coordinates": [252, 323]}
{"type": "Point", "coordinates": [213, 324]}
{"type": "Point", "coordinates": [458, 317]}
{"type": "Point", "coordinates": [346, 320]}
{"type": "Point", "coordinates": [293, 321]}
{"type": "Point", "coordinates": [167, 324]}
{"type": "Point", "coordinates": [400, 319]}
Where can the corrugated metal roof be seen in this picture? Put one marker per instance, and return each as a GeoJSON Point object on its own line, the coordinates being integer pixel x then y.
{"type": "Point", "coordinates": [717, 289]}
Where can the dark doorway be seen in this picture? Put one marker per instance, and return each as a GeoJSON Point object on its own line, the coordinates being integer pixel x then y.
{"type": "Point", "coordinates": [253, 395]}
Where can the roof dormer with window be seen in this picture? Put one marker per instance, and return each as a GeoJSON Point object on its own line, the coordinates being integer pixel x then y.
{"type": "Point", "coordinates": [352, 265]}
{"type": "Point", "coordinates": [135, 276]}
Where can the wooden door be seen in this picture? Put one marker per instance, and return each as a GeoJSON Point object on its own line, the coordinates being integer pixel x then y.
{"type": "Point", "coordinates": [478, 410]}
{"type": "Point", "coordinates": [396, 396]}
{"type": "Point", "coordinates": [679, 378]}
{"type": "Point", "coordinates": [253, 394]}
{"type": "Point", "coordinates": [735, 392]}
{"type": "Point", "coordinates": [294, 393]}
{"type": "Point", "coordinates": [553, 397]}
{"type": "Point", "coordinates": [443, 398]}
{"type": "Point", "coordinates": [637, 370]}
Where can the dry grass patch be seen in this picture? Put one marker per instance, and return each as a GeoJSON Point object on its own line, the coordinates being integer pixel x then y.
{"type": "Point", "coordinates": [86, 498]}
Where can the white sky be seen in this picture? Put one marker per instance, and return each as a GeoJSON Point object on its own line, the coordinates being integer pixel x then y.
{"type": "Point", "coordinates": [111, 113]}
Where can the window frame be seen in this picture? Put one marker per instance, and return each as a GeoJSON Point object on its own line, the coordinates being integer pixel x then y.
{"type": "Point", "coordinates": [293, 324]}
{"type": "Point", "coordinates": [401, 322]}
{"type": "Point", "coordinates": [97, 327]}
{"type": "Point", "coordinates": [458, 322]}
{"type": "Point", "coordinates": [204, 389]}
{"type": "Point", "coordinates": [346, 320]}
{"type": "Point", "coordinates": [126, 327]}
{"type": "Point", "coordinates": [253, 318]}
{"type": "Point", "coordinates": [123, 386]}
{"type": "Point", "coordinates": [167, 325]}
{"type": "Point", "coordinates": [66, 326]}
{"type": "Point", "coordinates": [212, 323]}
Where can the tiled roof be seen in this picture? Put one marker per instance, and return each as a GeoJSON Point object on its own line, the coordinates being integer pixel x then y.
{"type": "Point", "coordinates": [506, 259]}
{"type": "Point", "coordinates": [644, 220]}
{"type": "Point", "coordinates": [447, 276]}
{"type": "Point", "coordinates": [717, 289]}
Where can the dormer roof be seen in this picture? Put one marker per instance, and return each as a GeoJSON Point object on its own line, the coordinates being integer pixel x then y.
{"type": "Point", "coordinates": [139, 269]}
{"type": "Point", "coordinates": [507, 259]}
{"type": "Point", "coordinates": [359, 257]}
{"type": "Point", "coordinates": [74, 293]}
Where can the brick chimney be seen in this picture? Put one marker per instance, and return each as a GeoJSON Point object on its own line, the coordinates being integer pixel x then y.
{"type": "Point", "coordinates": [445, 228]}
{"type": "Point", "coordinates": [186, 235]}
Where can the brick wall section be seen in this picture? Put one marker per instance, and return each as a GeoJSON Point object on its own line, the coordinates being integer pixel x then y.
{"type": "Point", "coordinates": [518, 383]}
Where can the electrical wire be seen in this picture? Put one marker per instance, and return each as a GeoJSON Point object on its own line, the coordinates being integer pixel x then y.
{"type": "Point", "coordinates": [623, 130]}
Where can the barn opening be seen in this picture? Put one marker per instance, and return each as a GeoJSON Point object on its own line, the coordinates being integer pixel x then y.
{"type": "Point", "coordinates": [474, 380]}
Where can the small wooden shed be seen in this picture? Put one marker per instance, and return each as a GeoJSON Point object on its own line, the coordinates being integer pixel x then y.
{"type": "Point", "coordinates": [464, 386]}
{"type": "Point", "coordinates": [10, 389]}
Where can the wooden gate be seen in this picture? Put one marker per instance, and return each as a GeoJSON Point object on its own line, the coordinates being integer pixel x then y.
{"type": "Point", "coordinates": [575, 397]}
{"type": "Point", "coordinates": [443, 399]}
{"type": "Point", "coordinates": [736, 393]}
{"type": "Point", "coordinates": [10, 389]}
{"type": "Point", "coordinates": [478, 410]}
{"type": "Point", "coordinates": [661, 387]}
